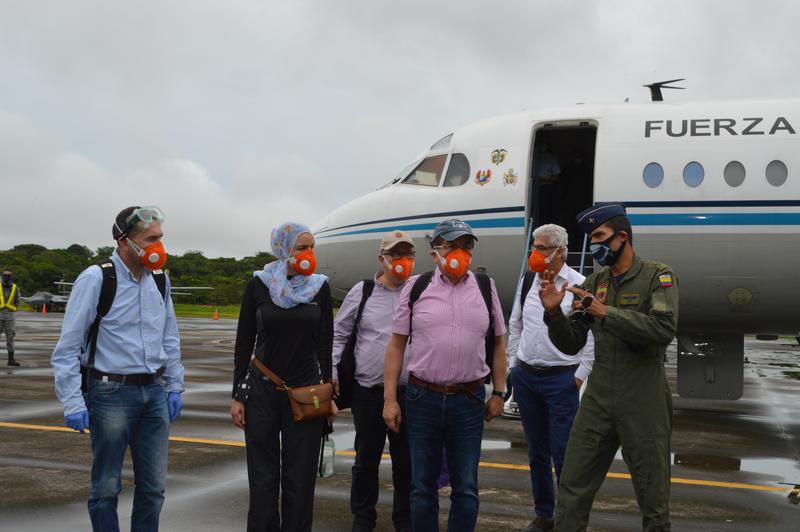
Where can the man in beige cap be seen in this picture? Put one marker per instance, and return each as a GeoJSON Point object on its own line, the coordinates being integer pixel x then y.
{"type": "Point", "coordinates": [362, 330]}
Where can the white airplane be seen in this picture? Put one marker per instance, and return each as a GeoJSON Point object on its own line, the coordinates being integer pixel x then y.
{"type": "Point", "coordinates": [712, 189]}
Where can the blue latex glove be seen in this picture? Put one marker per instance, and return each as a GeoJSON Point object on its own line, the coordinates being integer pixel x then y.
{"type": "Point", "coordinates": [78, 421]}
{"type": "Point", "coordinates": [174, 404]}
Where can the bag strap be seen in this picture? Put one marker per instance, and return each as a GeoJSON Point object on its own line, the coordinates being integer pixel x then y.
{"type": "Point", "coordinates": [108, 291]}
{"type": "Point", "coordinates": [420, 285]}
{"type": "Point", "coordinates": [485, 284]}
{"type": "Point", "coordinates": [527, 282]}
{"type": "Point", "coordinates": [269, 374]}
{"type": "Point", "coordinates": [369, 286]}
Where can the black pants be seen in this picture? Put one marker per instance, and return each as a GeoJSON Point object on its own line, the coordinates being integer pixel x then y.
{"type": "Point", "coordinates": [282, 457]}
{"type": "Point", "coordinates": [371, 434]}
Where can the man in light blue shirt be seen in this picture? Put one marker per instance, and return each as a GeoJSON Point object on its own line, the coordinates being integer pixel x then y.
{"type": "Point", "coordinates": [133, 383]}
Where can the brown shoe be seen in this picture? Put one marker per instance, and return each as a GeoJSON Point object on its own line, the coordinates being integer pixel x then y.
{"type": "Point", "coordinates": [540, 524]}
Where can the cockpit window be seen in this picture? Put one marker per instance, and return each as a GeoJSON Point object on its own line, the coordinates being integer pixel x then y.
{"type": "Point", "coordinates": [428, 172]}
{"type": "Point", "coordinates": [442, 143]}
{"type": "Point", "coordinates": [458, 171]}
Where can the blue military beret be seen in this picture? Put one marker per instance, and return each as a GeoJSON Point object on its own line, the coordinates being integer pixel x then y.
{"type": "Point", "coordinates": [598, 214]}
{"type": "Point", "coordinates": [452, 229]}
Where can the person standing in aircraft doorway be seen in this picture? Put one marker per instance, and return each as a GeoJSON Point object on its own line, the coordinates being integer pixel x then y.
{"type": "Point", "coordinates": [549, 179]}
{"type": "Point", "coordinates": [546, 381]}
{"type": "Point", "coordinates": [447, 317]}
{"type": "Point", "coordinates": [631, 307]}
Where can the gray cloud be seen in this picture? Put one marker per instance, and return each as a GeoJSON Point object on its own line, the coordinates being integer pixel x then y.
{"type": "Point", "coordinates": [235, 116]}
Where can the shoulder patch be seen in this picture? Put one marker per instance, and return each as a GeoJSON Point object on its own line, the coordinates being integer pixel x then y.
{"type": "Point", "coordinates": [665, 280]}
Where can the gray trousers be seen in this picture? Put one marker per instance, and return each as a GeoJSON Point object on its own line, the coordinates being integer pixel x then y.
{"type": "Point", "coordinates": [9, 327]}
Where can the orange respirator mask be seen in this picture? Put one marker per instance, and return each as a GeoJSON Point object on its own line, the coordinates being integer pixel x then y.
{"type": "Point", "coordinates": [400, 268]}
{"type": "Point", "coordinates": [153, 257]}
{"type": "Point", "coordinates": [304, 262]}
{"type": "Point", "coordinates": [456, 263]}
{"type": "Point", "coordinates": [538, 261]}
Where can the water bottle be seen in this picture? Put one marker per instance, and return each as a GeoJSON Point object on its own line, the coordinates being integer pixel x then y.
{"type": "Point", "coordinates": [328, 457]}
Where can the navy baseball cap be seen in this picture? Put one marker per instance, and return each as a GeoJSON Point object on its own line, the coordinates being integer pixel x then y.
{"type": "Point", "coordinates": [598, 214]}
{"type": "Point", "coordinates": [452, 229]}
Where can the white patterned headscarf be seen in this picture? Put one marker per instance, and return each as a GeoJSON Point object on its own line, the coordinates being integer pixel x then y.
{"type": "Point", "coordinates": [286, 292]}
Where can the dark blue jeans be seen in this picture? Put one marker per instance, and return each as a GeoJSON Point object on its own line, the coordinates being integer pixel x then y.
{"type": "Point", "coordinates": [122, 416]}
{"type": "Point", "coordinates": [547, 405]}
{"type": "Point", "coordinates": [456, 421]}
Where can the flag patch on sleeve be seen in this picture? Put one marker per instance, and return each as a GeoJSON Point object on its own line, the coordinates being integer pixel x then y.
{"type": "Point", "coordinates": [665, 280]}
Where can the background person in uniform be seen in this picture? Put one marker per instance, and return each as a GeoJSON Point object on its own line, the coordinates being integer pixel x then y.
{"type": "Point", "coordinates": [396, 262]}
{"type": "Point", "coordinates": [444, 402]}
{"type": "Point", "coordinates": [287, 314]}
{"type": "Point", "coordinates": [545, 380]}
{"type": "Point", "coordinates": [126, 403]}
{"type": "Point", "coordinates": [633, 305]}
{"type": "Point", "coordinates": [9, 301]}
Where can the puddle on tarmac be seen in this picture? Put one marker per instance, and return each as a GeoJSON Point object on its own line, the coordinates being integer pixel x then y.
{"type": "Point", "coordinates": [786, 469]}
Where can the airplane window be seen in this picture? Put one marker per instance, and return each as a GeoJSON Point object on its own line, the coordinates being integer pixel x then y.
{"type": "Point", "coordinates": [734, 173]}
{"type": "Point", "coordinates": [653, 175]}
{"type": "Point", "coordinates": [458, 171]}
{"type": "Point", "coordinates": [776, 173]}
{"type": "Point", "coordinates": [442, 143]}
{"type": "Point", "coordinates": [427, 172]}
{"type": "Point", "coordinates": [693, 174]}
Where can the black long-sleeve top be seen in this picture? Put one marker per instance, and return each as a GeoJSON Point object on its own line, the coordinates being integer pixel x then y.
{"type": "Point", "coordinates": [294, 343]}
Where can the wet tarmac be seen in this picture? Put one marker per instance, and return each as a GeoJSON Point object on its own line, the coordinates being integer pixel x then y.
{"type": "Point", "coordinates": [730, 458]}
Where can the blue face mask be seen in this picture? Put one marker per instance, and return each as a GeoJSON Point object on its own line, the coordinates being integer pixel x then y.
{"type": "Point", "coordinates": [603, 254]}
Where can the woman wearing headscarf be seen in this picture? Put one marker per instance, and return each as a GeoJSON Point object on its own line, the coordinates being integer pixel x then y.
{"type": "Point", "coordinates": [287, 314]}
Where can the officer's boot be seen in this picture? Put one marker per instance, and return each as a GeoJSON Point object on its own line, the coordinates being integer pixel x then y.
{"type": "Point", "coordinates": [11, 361]}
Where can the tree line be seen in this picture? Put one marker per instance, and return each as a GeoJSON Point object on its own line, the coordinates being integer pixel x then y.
{"type": "Point", "coordinates": [37, 268]}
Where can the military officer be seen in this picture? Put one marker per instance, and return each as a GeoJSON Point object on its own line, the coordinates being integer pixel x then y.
{"type": "Point", "coordinates": [631, 307]}
{"type": "Point", "coordinates": [9, 301]}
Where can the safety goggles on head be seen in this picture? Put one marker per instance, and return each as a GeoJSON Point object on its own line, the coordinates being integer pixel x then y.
{"type": "Point", "coordinates": [146, 215]}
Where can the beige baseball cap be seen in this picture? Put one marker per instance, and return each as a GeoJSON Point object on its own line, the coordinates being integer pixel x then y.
{"type": "Point", "coordinates": [392, 238]}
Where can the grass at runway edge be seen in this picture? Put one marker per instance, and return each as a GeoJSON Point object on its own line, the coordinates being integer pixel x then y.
{"type": "Point", "coordinates": [188, 310]}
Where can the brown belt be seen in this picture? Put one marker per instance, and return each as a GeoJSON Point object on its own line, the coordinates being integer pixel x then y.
{"type": "Point", "coordinates": [448, 389]}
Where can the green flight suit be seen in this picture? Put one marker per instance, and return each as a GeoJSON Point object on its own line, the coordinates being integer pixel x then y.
{"type": "Point", "coordinates": [627, 401]}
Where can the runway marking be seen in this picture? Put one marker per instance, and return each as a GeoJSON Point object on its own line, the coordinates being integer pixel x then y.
{"type": "Point", "coordinates": [488, 465]}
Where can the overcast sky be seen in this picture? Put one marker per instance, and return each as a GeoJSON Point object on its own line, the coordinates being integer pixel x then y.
{"type": "Point", "coordinates": [236, 115]}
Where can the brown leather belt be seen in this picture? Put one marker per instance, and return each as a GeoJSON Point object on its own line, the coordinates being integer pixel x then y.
{"type": "Point", "coordinates": [448, 389]}
{"type": "Point", "coordinates": [546, 370]}
{"type": "Point", "coordinates": [140, 379]}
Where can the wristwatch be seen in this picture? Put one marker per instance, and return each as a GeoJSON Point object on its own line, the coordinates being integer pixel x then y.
{"type": "Point", "coordinates": [498, 393]}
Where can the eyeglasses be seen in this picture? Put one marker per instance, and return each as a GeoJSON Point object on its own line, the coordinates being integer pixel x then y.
{"type": "Point", "coordinates": [543, 248]}
{"type": "Point", "coordinates": [400, 254]}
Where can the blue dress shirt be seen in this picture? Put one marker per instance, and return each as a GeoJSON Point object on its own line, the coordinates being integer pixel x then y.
{"type": "Point", "coordinates": [138, 335]}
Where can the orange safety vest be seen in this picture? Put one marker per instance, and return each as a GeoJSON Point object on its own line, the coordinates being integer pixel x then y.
{"type": "Point", "coordinates": [10, 303]}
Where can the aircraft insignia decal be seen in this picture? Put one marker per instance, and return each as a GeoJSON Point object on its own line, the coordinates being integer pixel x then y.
{"type": "Point", "coordinates": [498, 156]}
{"type": "Point", "coordinates": [510, 178]}
{"type": "Point", "coordinates": [483, 177]}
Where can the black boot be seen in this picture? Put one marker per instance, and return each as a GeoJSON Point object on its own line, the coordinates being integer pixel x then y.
{"type": "Point", "coordinates": [11, 361]}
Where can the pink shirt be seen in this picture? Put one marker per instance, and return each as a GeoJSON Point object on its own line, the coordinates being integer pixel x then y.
{"type": "Point", "coordinates": [449, 327]}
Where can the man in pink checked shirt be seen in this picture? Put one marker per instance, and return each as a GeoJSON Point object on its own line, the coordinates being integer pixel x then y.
{"type": "Point", "coordinates": [444, 404]}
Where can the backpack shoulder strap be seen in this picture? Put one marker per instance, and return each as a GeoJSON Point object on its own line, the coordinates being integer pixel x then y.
{"type": "Point", "coordinates": [420, 285]}
{"type": "Point", "coordinates": [108, 291]}
{"type": "Point", "coordinates": [527, 282]}
{"type": "Point", "coordinates": [369, 285]}
{"type": "Point", "coordinates": [485, 284]}
{"type": "Point", "coordinates": [161, 282]}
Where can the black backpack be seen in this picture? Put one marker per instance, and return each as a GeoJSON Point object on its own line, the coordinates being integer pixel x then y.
{"type": "Point", "coordinates": [108, 291]}
{"type": "Point", "coordinates": [485, 284]}
{"type": "Point", "coordinates": [346, 368]}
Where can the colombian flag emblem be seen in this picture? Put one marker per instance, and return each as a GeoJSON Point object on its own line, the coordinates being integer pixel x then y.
{"type": "Point", "coordinates": [665, 280]}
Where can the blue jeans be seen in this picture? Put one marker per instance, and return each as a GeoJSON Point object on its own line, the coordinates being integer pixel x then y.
{"type": "Point", "coordinates": [547, 405]}
{"type": "Point", "coordinates": [119, 416]}
{"type": "Point", "coordinates": [435, 420]}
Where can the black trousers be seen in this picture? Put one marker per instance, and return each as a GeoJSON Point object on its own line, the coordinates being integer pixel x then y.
{"type": "Point", "coordinates": [371, 432]}
{"type": "Point", "coordinates": [282, 459]}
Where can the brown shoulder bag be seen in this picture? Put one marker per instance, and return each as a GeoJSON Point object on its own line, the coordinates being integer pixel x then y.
{"type": "Point", "coordinates": [308, 402]}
